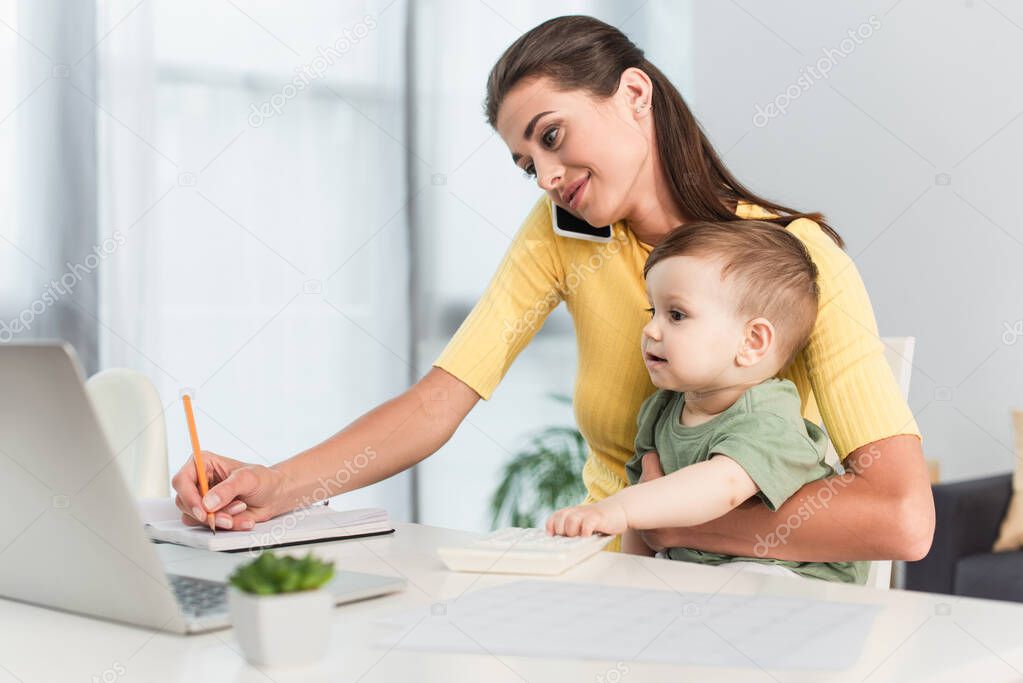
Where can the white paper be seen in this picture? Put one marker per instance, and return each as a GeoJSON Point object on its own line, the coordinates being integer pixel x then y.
{"type": "Point", "coordinates": [591, 621]}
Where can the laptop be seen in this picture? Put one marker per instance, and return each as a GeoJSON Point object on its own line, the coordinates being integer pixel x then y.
{"type": "Point", "coordinates": [71, 536]}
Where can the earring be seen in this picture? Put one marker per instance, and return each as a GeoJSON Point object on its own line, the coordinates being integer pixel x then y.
{"type": "Point", "coordinates": [639, 107]}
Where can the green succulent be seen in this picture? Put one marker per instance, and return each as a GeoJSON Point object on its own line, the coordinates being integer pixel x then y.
{"type": "Point", "coordinates": [542, 478]}
{"type": "Point", "coordinates": [270, 575]}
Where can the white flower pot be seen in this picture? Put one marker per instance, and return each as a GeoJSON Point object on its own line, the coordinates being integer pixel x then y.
{"type": "Point", "coordinates": [290, 629]}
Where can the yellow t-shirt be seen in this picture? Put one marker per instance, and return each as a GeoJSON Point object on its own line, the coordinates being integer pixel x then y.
{"type": "Point", "coordinates": [842, 375]}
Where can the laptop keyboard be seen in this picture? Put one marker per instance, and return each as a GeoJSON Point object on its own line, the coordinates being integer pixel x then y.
{"type": "Point", "coordinates": [199, 597]}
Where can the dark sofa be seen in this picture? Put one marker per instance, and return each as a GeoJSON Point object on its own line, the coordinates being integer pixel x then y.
{"type": "Point", "coordinates": [960, 562]}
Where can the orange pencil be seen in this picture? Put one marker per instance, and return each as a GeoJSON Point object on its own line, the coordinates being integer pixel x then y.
{"type": "Point", "coordinates": [200, 468]}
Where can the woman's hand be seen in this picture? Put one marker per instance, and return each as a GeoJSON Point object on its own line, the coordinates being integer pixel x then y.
{"type": "Point", "coordinates": [606, 516]}
{"type": "Point", "coordinates": [240, 494]}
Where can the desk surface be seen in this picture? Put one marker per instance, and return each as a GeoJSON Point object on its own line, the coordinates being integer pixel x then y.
{"type": "Point", "coordinates": [916, 636]}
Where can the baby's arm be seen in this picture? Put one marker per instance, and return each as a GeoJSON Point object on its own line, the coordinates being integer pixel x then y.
{"type": "Point", "coordinates": [689, 496]}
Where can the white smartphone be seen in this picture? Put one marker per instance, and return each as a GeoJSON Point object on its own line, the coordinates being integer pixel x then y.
{"type": "Point", "coordinates": [567, 225]}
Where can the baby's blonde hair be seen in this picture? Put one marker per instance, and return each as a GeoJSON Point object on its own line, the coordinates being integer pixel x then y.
{"type": "Point", "coordinates": [768, 268]}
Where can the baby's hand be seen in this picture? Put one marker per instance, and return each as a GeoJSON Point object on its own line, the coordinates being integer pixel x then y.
{"type": "Point", "coordinates": [606, 517]}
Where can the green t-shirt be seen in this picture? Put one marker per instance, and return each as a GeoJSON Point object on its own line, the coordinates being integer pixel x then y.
{"type": "Point", "coordinates": [766, 434]}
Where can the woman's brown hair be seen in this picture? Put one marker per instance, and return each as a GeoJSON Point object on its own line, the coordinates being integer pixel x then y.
{"type": "Point", "coordinates": [584, 53]}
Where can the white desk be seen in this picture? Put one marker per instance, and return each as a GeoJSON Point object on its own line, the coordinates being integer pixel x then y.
{"type": "Point", "coordinates": [916, 636]}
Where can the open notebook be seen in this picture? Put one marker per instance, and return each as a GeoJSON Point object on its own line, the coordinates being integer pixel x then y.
{"type": "Point", "coordinates": [306, 525]}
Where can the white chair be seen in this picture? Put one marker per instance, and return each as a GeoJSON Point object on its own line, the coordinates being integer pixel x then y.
{"type": "Point", "coordinates": [129, 409]}
{"type": "Point", "coordinates": [898, 351]}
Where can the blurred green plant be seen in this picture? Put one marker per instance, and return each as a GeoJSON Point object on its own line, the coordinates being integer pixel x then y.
{"type": "Point", "coordinates": [270, 575]}
{"type": "Point", "coordinates": [541, 478]}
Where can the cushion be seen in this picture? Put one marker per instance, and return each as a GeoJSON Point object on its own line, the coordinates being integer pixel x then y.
{"type": "Point", "coordinates": [1010, 536]}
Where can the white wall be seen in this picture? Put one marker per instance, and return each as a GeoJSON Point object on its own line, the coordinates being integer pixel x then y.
{"type": "Point", "coordinates": [931, 97]}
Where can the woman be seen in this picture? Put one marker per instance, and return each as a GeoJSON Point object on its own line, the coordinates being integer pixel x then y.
{"type": "Point", "coordinates": [609, 138]}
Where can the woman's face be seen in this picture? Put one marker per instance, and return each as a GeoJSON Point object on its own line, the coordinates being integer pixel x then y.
{"type": "Point", "coordinates": [586, 153]}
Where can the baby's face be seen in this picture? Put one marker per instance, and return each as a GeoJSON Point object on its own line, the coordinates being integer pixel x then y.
{"type": "Point", "coordinates": [691, 341]}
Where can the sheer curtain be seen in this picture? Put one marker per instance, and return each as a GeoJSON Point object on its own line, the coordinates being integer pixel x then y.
{"type": "Point", "coordinates": [50, 250]}
{"type": "Point", "coordinates": [253, 158]}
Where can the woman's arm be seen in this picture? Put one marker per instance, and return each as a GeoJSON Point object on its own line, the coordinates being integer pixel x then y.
{"type": "Point", "coordinates": [632, 544]}
{"type": "Point", "coordinates": [401, 433]}
{"type": "Point", "coordinates": [881, 509]}
{"type": "Point", "coordinates": [388, 439]}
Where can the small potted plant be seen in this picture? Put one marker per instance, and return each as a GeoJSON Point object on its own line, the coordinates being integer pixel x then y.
{"type": "Point", "coordinates": [281, 614]}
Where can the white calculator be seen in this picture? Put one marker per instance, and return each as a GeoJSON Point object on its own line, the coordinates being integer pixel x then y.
{"type": "Point", "coordinates": [522, 551]}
